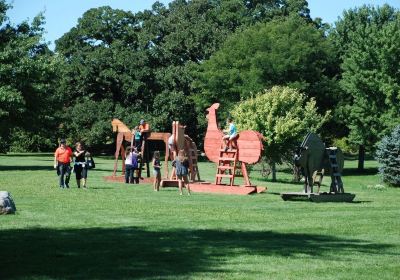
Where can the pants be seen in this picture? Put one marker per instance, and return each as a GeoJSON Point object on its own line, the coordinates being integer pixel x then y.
{"type": "Point", "coordinates": [129, 174]}
{"type": "Point", "coordinates": [63, 169]}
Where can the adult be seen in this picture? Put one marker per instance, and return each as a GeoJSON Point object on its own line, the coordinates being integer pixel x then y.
{"type": "Point", "coordinates": [80, 165]}
{"type": "Point", "coordinates": [62, 160]}
{"type": "Point", "coordinates": [144, 129]}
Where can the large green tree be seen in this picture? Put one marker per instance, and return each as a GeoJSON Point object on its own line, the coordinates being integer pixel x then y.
{"type": "Point", "coordinates": [367, 41]}
{"type": "Point", "coordinates": [27, 101]}
{"type": "Point", "coordinates": [283, 115]}
{"type": "Point", "coordinates": [144, 63]}
{"type": "Point", "coordinates": [288, 51]}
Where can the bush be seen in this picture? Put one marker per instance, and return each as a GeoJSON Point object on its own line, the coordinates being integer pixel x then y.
{"type": "Point", "coordinates": [346, 147]}
{"type": "Point", "coordinates": [388, 157]}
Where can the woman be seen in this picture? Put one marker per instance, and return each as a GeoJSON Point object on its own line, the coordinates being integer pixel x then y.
{"type": "Point", "coordinates": [80, 166]}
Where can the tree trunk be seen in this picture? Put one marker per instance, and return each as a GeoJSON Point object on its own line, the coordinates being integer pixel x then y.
{"type": "Point", "coordinates": [361, 157]}
{"type": "Point", "coordinates": [273, 167]}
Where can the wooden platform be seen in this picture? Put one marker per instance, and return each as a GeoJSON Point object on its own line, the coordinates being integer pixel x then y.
{"type": "Point", "coordinates": [225, 189]}
{"type": "Point", "coordinates": [318, 197]}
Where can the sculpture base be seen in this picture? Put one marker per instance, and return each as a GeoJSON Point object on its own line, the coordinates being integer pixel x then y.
{"type": "Point", "coordinates": [318, 197]}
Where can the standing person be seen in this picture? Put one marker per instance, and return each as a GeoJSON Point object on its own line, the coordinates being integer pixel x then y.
{"type": "Point", "coordinates": [182, 170]}
{"type": "Point", "coordinates": [156, 171]}
{"type": "Point", "coordinates": [128, 166]}
{"type": "Point", "coordinates": [231, 133]}
{"type": "Point", "coordinates": [136, 136]}
{"type": "Point", "coordinates": [80, 165]}
{"type": "Point", "coordinates": [144, 129]}
{"type": "Point", "coordinates": [62, 160]}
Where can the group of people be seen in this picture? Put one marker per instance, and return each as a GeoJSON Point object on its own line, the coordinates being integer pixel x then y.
{"type": "Point", "coordinates": [181, 169]}
{"type": "Point", "coordinates": [64, 156]}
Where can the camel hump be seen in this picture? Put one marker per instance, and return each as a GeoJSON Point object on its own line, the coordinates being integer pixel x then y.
{"type": "Point", "coordinates": [250, 146]}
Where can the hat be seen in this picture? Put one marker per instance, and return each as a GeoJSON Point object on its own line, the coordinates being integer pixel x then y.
{"type": "Point", "coordinates": [62, 141]}
{"type": "Point", "coordinates": [142, 121]}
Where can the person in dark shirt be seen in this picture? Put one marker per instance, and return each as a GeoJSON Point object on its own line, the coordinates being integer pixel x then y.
{"type": "Point", "coordinates": [80, 165]}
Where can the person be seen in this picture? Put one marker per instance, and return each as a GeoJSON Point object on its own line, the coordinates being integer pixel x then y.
{"type": "Point", "coordinates": [144, 129]}
{"type": "Point", "coordinates": [62, 160]}
{"type": "Point", "coordinates": [135, 165]}
{"type": "Point", "coordinates": [136, 135]}
{"type": "Point", "coordinates": [128, 166]}
{"type": "Point", "coordinates": [172, 146]}
{"type": "Point", "coordinates": [181, 164]}
{"type": "Point", "coordinates": [80, 165]}
{"type": "Point", "coordinates": [156, 171]}
{"type": "Point", "coordinates": [231, 134]}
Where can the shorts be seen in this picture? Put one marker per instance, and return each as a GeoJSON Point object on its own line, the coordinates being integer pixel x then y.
{"type": "Point", "coordinates": [157, 173]}
{"type": "Point", "coordinates": [184, 178]}
{"type": "Point", "coordinates": [232, 136]}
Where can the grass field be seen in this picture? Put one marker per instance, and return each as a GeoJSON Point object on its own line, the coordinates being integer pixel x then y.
{"type": "Point", "coordinates": [118, 231]}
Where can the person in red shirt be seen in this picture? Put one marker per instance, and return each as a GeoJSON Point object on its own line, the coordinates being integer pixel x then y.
{"type": "Point", "coordinates": [62, 160]}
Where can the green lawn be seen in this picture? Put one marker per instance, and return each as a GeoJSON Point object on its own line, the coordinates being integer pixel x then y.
{"type": "Point", "coordinates": [118, 231]}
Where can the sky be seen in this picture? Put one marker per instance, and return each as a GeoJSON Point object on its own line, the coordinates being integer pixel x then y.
{"type": "Point", "coordinates": [62, 15]}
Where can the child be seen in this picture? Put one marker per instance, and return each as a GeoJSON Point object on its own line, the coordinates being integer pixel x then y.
{"type": "Point", "coordinates": [136, 136]}
{"type": "Point", "coordinates": [156, 171]}
{"type": "Point", "coordinates": [232, 133]}
{"type": "Point", "coordinates": [182, 171]}
{"type": "Point", "coordinates": [128, 166]}
{"type": "Point", "coordinates": [135, 165]}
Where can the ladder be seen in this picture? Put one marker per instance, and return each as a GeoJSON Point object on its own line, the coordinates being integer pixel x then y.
{"type": "Point", "coordinates": [337, 184]}
{"type": "Point", "coordinates": [193, 167]}
{"type": "Point", "coordinates": [226, 163]}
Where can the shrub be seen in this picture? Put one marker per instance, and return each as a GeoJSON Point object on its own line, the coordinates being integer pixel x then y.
{"type": "Point", "coordinates": [388, 157]}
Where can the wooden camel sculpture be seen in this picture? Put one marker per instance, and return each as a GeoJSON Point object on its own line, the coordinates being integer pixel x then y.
{"type": "Point", "coordinates": [125, 133]}
{"type": "Point", "coordinates": [248, 148]}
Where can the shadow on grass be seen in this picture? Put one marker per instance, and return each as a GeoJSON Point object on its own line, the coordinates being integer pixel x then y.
{"type": "Point", "coordinates": [131, 252]}
{"type": "Point", "coordinates": [356, 172]}
{"type": "Point", "coordinates": [25, 168]}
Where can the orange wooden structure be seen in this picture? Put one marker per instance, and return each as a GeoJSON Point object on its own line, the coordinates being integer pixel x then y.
{"type": "Point", "coordinates": [183, 142]}
{"type": "Point", "coordinates": [245, 149]}
{"type": "Point", "coordinates": [124, 133]}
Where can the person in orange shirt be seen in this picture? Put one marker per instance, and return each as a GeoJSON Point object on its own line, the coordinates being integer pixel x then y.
{"type": "Point", "coordinates": [144, 129]}
{"type": "Point", "coordinates": [62, 160]}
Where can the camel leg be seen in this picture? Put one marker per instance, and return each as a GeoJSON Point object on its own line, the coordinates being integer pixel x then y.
{"type": "Point", "coordinates": [117, 151]}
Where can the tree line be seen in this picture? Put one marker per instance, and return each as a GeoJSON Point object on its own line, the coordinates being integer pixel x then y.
{"type": "Point", "coordinates": [172, 62]}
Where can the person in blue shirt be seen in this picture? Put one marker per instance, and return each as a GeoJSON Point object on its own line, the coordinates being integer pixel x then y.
{"type": "Point", "coordinates": [231, 133]}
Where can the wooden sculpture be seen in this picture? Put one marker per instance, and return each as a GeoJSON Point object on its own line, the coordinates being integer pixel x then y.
{"type": "Point", "coordinates": [124, 133]}
{"type": "Point", "coordinates": [181, 141]}
{"type": "Point", "coordinates": [313, 157]}
{"type": "Point", "coordinates": [246, 149]}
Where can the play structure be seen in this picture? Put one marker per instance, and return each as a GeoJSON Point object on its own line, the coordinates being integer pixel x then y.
{"type": "Point", "coordinates": [124, 133]}
{"type": "Point", "coordinates": [315, 160]}
{"type": "Point", "coordinates": [181, 141]}
{"type": "Point", "coordinates": [246, 148]}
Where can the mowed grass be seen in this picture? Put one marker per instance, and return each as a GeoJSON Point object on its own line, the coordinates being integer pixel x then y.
{"type": "Point", "coordinates": [118, 231]}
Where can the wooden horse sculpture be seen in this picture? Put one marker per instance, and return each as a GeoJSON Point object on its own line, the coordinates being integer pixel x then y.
{"type": "Point", "coordinates": [248, 147]}
{"type": "Point", "coordinates": [124, 133]}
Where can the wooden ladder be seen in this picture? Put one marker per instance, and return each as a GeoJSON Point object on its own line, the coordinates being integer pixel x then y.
{"type": "Point", "coordinates": [193, 167]}
{"type": "Point", "coordinates": [337, 184]}
{"type": "Point", "coordinates": [226, 162]}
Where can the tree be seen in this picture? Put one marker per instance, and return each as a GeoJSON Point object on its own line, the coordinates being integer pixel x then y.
{"type": "Point", "coordinates": [27, 72]}
{"type": "Point", "coordinates": [388, 157]}
{"type": "Point", "coordinates": [286, 51]}
{"type": "Point", "coordinates": [283, 115]}
{"type": "Point", "coordinates": [367, 39]}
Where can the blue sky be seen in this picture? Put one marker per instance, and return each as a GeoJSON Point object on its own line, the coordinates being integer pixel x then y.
{"type": "Point", "coordinates": [62, 15]}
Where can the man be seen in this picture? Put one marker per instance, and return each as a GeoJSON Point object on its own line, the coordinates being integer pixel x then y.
{"type": "Point", "coordinates": [62, 160]}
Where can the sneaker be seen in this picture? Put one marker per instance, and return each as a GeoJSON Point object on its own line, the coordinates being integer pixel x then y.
{"type": "Point", "coordinates": [188, 193]}
{"type": "Point", "coordinates": [180, 193]}
{"type": "Point", "coordinates": [67, 186]}
{"type": "Point", "coordinates": [226, 148]}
